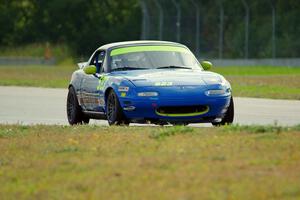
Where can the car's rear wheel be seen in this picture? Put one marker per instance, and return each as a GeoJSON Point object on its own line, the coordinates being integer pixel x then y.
{"type": "Point", "coordinates": [74, 111]}
{"type": "Point", "coordinates": [114, 112]}
{"type": "Point", "coordinates": [228, 117]}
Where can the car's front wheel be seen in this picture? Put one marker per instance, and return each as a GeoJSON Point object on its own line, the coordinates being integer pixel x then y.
{"type": "Point", "coordinates": [228, 117]}
{"type": "Point", "coordinates": [114, 111]}
{"type": "Point", "coordinates": [74, 112]}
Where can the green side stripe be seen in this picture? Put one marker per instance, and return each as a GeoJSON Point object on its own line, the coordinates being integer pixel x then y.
{"type": "Point", "coordinates": [125, 50]}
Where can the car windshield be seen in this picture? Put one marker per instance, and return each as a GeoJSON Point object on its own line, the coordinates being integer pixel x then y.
{"type": "Point", "coordinates": [152, 57]}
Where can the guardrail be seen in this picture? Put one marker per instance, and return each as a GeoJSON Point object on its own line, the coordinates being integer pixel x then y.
{"type": "Point", "coordinates": [26, 61]}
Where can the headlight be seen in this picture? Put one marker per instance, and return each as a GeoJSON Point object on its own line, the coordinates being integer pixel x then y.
{"type": "Point", "coordinates": [224, 82]}
{"type": "Point", "coordinates": [147, 94]}
{"type": "Point", "coordinates": [217, 92]}
{"type": "Point", "coordinates": [216, 80]}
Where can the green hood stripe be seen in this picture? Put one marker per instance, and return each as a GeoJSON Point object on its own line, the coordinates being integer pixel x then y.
{"type": "Point", "coordinates": [125, 50]}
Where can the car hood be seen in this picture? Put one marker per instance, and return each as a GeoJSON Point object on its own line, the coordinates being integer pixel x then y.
{"type": "Point", "coordinates": [167, 77]}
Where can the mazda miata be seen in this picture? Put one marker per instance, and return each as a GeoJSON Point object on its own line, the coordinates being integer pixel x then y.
{"type": "Point", "coordinates": [148, 82]}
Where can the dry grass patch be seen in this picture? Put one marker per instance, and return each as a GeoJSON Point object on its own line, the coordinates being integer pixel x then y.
{"type": "Point", "coordinates": [95, 162]}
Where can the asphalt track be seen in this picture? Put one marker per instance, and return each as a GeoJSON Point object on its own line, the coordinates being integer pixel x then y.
{"type": "Point", "coordinates": [26, 105]}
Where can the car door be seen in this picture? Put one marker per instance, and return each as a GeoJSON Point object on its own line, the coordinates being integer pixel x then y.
{"type": "Point", "coordinates": [90, 93]}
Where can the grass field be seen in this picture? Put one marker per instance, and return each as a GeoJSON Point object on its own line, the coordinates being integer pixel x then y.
{"type": "Point", "coordinates": [59, 51]}
{"type": "Point", "coordinates": [37, 76]}
{"type": "Point", "coordinates": [260, 81]}
{"type": "Point", "coordinates": [266, 82]}
{"type": "Point", "coordinates": [94, 162]}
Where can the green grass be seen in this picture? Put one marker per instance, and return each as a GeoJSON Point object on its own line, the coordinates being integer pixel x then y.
{"type": "Point", "coordinates": [95, 162]}
{"type": "Point", "coordinates": [257, 70]}
{"type": "Point", "coordinates": [262, 82]}
{"type": "Point", "coordinates": [37, 76]}
{"type": "Point", "coordinates": [60, 52]}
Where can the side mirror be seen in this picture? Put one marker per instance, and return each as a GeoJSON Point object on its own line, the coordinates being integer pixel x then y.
{"type": "Point", "coordinates": [91, 69]}
{"type": "Point", "coordinates": [206, 65]}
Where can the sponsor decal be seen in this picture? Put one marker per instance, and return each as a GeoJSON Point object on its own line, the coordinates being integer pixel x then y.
{"type": "Point", "coordinates": [123, 94]}
{"type": "Point", "coordinates": [123, 89]}
{"type": "Point", "coordinates": [126, 50]}
{"type": "Point", "coordinates": [102, 82]}
{"type": "Point", "coordinates": [163, 83]}
{"type": "Point", "coordinates": [101, 102]}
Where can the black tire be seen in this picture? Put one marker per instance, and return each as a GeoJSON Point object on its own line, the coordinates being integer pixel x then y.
{"type": "Point", "coordinates": [114, 112]}
{"type": "Point", "coordinates": [74, 112]}
{"type": "Point", "coordinates": [228, 117]}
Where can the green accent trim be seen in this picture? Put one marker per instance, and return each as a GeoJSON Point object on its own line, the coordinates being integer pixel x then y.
{"type": "Point", "coordinates": [102, 82]}
{"type": "Point", "coordinates": [125, 50]}
{"type": "Point", "coordinates": [183, 115]}
{"type": "Point", "coordinates": [91, 69]}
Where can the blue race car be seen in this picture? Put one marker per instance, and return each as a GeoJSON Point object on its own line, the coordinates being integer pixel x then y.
{"type": "Point", "coordinates": [148, 82]}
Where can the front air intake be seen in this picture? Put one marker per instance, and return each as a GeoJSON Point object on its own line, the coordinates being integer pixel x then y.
{"type": "Point", "coordinates": [179, 111]}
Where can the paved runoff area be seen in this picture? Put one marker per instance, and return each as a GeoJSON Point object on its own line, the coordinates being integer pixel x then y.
{"type": "Point", "coordinates": [26, 105]}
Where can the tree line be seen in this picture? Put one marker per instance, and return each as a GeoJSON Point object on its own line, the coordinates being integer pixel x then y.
{"type": "Point", "coordinates": [84, 25]}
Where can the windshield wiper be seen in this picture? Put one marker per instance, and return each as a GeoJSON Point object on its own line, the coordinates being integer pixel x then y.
{"type": "Point", "coordinates": [128, 68]}
{"type": "Point", "coordinates": [173, 67]}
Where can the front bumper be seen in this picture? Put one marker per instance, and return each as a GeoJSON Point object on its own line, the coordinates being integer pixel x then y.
{"type": "Point", "coordinates": [143, 109]}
